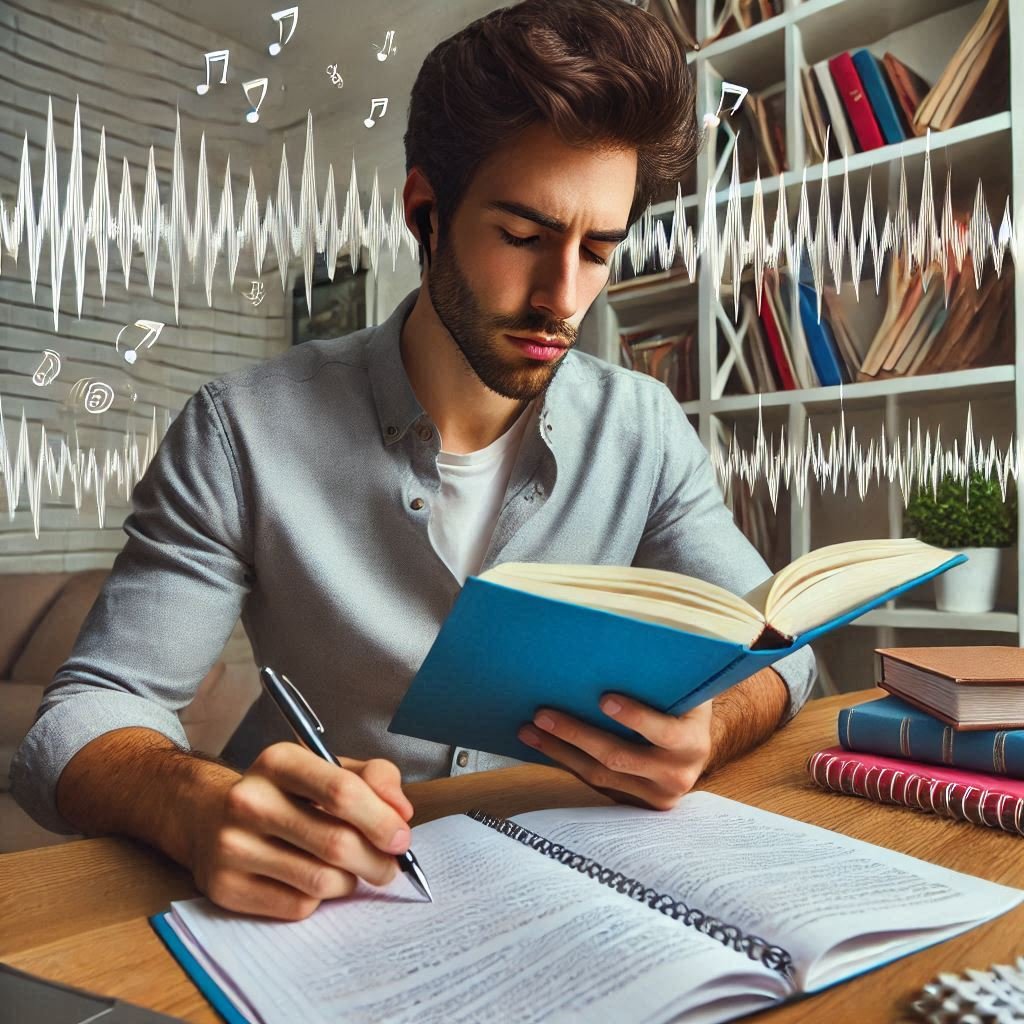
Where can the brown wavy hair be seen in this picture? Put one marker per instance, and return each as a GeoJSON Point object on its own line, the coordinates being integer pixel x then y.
{"type": "Point", "coordinates": [600, 72]}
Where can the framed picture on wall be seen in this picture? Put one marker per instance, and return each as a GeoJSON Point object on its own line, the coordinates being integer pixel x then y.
{"type": "Point", "coordinates": [338, 306]}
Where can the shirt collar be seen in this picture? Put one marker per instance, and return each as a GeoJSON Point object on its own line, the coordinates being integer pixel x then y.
{"type": "Point", "coordinates": [398, 408]}
{"type": "Point", "coordinates": [397, 405]}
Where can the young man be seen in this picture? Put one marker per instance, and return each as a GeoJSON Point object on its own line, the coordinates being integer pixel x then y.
{"type": "Point", "coordinates": [338, 496]}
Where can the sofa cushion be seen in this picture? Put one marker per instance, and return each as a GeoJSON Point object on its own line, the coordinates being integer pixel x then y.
{"type": "Point", "coordinates": [54, 637]}
{"type": "Point", "coordinates": [18, 705]}
{"type": "Point", "coordinates": [25, 600]}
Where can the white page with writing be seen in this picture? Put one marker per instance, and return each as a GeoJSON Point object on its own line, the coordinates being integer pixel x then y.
{"type": "Point", "coordinates": [512, 936]}
{"type": "Point", "coordinates": [836, 904]}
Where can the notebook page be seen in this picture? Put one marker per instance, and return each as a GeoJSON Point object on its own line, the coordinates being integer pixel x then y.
{"type": "Point", "coordinates": [509, 928]}
{"type": "Point", "coordinates": [835, 903]}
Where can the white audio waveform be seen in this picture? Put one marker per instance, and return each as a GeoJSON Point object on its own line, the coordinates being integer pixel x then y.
{"type": "Point", "coordinates": [89, 471]}
{"type": "Point", "coordinates": [913, 461]}
{"type": "Point", "coordinates": [751, 240]}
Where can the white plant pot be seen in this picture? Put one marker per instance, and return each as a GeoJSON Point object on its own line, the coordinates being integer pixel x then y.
{"type": "Point", "coordinates": [972, 586]}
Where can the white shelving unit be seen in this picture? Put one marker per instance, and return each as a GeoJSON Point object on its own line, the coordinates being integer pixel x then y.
{"type": "Point", "coordinates": [775, 51]}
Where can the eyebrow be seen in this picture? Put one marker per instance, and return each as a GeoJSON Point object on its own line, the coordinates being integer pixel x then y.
{"type": "Point", "coordinates": [551, 223]}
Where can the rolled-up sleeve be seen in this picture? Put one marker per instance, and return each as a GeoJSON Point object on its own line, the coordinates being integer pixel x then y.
{"type": "Point", "coordinates": [163, 616]}
{"type": "Point", "coordinates": [691, 531]}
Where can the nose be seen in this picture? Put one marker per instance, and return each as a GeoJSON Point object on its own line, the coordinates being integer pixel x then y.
{"type": "Point", "coordinates": [554, 291]}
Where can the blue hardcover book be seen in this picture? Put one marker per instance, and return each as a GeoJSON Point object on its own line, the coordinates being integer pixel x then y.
{"type": "Point", "coordinates": [504, 652]}
{"type": "Point", "coordinates": [879, 96]}
{"type": "Point", "coordinates": [894, 728]}
{"type": "Point", "coordinates": [821, 343]}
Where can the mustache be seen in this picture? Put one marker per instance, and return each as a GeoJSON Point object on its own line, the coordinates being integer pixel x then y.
{"type": "Point", "coordinates": [562, 331]}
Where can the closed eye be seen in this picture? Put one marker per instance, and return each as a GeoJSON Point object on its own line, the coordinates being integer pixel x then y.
{"type": "Point", "coordinates": [518, 242]}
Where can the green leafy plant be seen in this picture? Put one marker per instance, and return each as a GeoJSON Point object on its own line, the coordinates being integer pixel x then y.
{"type": "Point", "coordinates": [968, 514]}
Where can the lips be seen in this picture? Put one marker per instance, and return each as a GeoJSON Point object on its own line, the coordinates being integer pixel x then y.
{"type": "Point", "coordinates": [540, 339]}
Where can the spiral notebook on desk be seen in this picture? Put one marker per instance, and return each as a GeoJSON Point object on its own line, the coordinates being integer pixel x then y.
{"type": "Point", "coordinates": [588, 914]}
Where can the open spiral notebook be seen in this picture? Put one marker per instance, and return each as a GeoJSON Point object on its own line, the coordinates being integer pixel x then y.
{"type": "Point", "coordinates": [588, 914]}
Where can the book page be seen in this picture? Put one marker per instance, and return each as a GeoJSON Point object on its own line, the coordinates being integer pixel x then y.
{"type": "Point", "coordinates": [509, 928]}
{"type": "Point", "coordinates": [836, 904]}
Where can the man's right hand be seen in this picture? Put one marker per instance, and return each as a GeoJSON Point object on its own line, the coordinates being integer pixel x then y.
{"type": "Point", "coordinates": [295, 830]}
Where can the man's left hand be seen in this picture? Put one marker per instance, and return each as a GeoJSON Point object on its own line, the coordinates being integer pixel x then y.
{"type": "Point", "coordinates": [655, 776]}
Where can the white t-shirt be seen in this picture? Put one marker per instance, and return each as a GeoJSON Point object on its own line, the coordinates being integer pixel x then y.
{"type": "Point", "coordinates": [465, 512]}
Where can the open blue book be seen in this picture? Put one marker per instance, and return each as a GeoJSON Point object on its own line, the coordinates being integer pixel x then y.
{"type": "Point", "coordinates": [525, 635]}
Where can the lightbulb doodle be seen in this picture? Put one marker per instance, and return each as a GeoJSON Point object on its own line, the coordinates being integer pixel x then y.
{"type": "Point", "coordinates": [169, 228]}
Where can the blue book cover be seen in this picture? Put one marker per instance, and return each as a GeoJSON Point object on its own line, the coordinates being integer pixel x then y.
{"type": "Point", "coordinates": [821, 343]}
{"type": "Point", "coordinates": [879, 96]}
{"type": "Point", "coordinates": [502, 653]}
{"type": "Point", "coordinates": [893, 728]}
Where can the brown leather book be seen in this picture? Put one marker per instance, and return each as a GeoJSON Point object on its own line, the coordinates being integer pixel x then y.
{"type": "Point", "coordinates": [908, 87]}
{"type": "Point", "coordinates": [983, 54]}
{"type": "Point", "coordinates": [965, 687]}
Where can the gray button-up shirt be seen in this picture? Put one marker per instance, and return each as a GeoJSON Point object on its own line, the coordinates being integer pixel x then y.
{"type": "Point", "coordinates": [297, 494]}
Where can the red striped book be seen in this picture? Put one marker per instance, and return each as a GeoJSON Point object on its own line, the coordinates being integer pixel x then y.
{"type": "Point", "coordinates": [981, 799]}
{"type": "Point", "coordinates": [851, 90]}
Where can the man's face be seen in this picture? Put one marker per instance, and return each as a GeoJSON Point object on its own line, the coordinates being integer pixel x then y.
{"type": "Point", "coordinates": [527, 253]}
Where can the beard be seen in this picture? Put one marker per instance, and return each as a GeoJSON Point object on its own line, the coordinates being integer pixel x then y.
{"type": "Point", "coordinates": [478, 335]}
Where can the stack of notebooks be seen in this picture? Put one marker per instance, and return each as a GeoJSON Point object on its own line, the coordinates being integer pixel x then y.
{"type": "Point", "coordinates": [858, 101]}
{"type": "Point", "coordinates": [949, 739]}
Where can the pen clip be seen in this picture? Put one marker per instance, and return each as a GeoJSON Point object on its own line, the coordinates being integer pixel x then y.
{"type": "Point", "coordinates": [294, 689]}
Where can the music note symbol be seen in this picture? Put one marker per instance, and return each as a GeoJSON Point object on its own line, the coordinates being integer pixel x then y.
{"type": "Point", "coordinates": [279, 16]}
{"type": "Point", "coordinates": [386, 49]}
{"type": "Point", "coordinates": [369, 121]}
{"type": "Point", "coordinates": [204, 87]}
{"type": "Point", "coordinates": [712, 120]}
{"type": "Point", "coordinates": [257, 83]}
{"type": "Point", "coordinates": [152, 329]}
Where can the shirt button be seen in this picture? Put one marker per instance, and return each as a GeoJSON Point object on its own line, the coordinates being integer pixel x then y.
{"type": "Point", "coordinates": [463, 759]}
{"type": "Point", "coordinates": [425, 433]}
{"type": "Point", "coordinates": [391, 431]}
{"type": "Point", "coordinates": [416, 503]}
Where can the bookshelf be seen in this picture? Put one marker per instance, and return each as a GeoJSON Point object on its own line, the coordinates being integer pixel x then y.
{"type": "Point", "coordinates": [770, 55]}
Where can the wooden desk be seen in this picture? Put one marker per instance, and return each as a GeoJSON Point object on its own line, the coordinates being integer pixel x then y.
{"type": "Point", "coordinates": [77, 912]}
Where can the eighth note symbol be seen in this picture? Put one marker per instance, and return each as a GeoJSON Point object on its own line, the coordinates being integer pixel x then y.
{"type": "Point", "coordinates": [290, 12]}
{"type": "Point", "coordinates": [204, 87]}
{"type": "Point", "coordinates": [369, 121]}
{"type": "Point", "coordinates": [384, 51]}
{"type": "Point", "coordinates": [257, 83]}
{"type": "Point", "coordinates": [713, 120]}
{"type": "Point", "coordinates": [152, 329]}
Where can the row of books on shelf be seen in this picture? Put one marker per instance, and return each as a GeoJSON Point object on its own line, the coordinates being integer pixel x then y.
{"type": "Point", "coordinates": [861, 100]}
{"type": "Point", "coordinates": [949, 738]}
{"type": "Point", "coordinates": [727, 16]}
{"type": "Point", "coordinates": [931, 324]}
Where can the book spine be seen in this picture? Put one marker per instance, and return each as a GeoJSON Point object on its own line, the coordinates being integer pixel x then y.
{"type": "Point", "coordinates": [771, 330]}
{"type": "Point", "coordinates": [870, 70]}
{"type": "Point", "coordinates": [773, 957]}
{"type": "Point", "coordinates": [910, 789]}
{"type": "Point", "coordinates": [851, 90]}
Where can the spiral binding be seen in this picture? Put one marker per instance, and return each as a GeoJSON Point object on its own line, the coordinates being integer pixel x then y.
{"type": "Point", "coordinates": [773, 957]}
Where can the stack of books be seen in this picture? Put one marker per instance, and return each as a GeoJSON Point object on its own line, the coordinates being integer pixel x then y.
{"type": "Point", "coordinates": [948, 740]}
{"type": "Point", "coordinates": [857, 101]}
{"type": "Point", "coordinates": [730, 16]}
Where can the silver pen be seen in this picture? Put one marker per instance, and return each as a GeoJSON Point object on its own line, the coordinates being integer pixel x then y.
{"type": "Point", "coordinates": [308, 729]}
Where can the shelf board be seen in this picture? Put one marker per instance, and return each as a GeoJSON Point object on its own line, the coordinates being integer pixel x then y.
{"type": "Point", "coordinates": [982, 377]}
{"type": "Point", "coordinates": [931, 618]}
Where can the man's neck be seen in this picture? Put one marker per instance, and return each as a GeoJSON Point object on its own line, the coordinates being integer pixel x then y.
{"type": "Point", "coordinates": [468, 414]}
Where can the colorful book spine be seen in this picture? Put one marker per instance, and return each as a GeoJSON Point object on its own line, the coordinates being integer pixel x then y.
{"type": "Point", "coordinates": [851, 91]}
{"type": "Point", "coordinates": [966, 796]}
{"type": "Point", "coordinates": [892, 727]}
{"type": "Point", "coordinates": [870, 70]}
{"type": "Point", "coordinates": [820, 342]}
{"type": "Point", "coordinates": [779, 358]}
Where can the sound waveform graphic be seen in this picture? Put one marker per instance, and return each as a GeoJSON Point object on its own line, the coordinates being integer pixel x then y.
{"type": "Point", "coordinates": [165, 228]}
{"type": "Point", "coordinates": [89, 471]}
{"type": "Point", "coordinates": [912, 461]}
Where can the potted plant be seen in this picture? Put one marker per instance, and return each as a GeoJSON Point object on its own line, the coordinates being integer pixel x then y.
{"type": "Point", "coordinates": [969, 516]}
